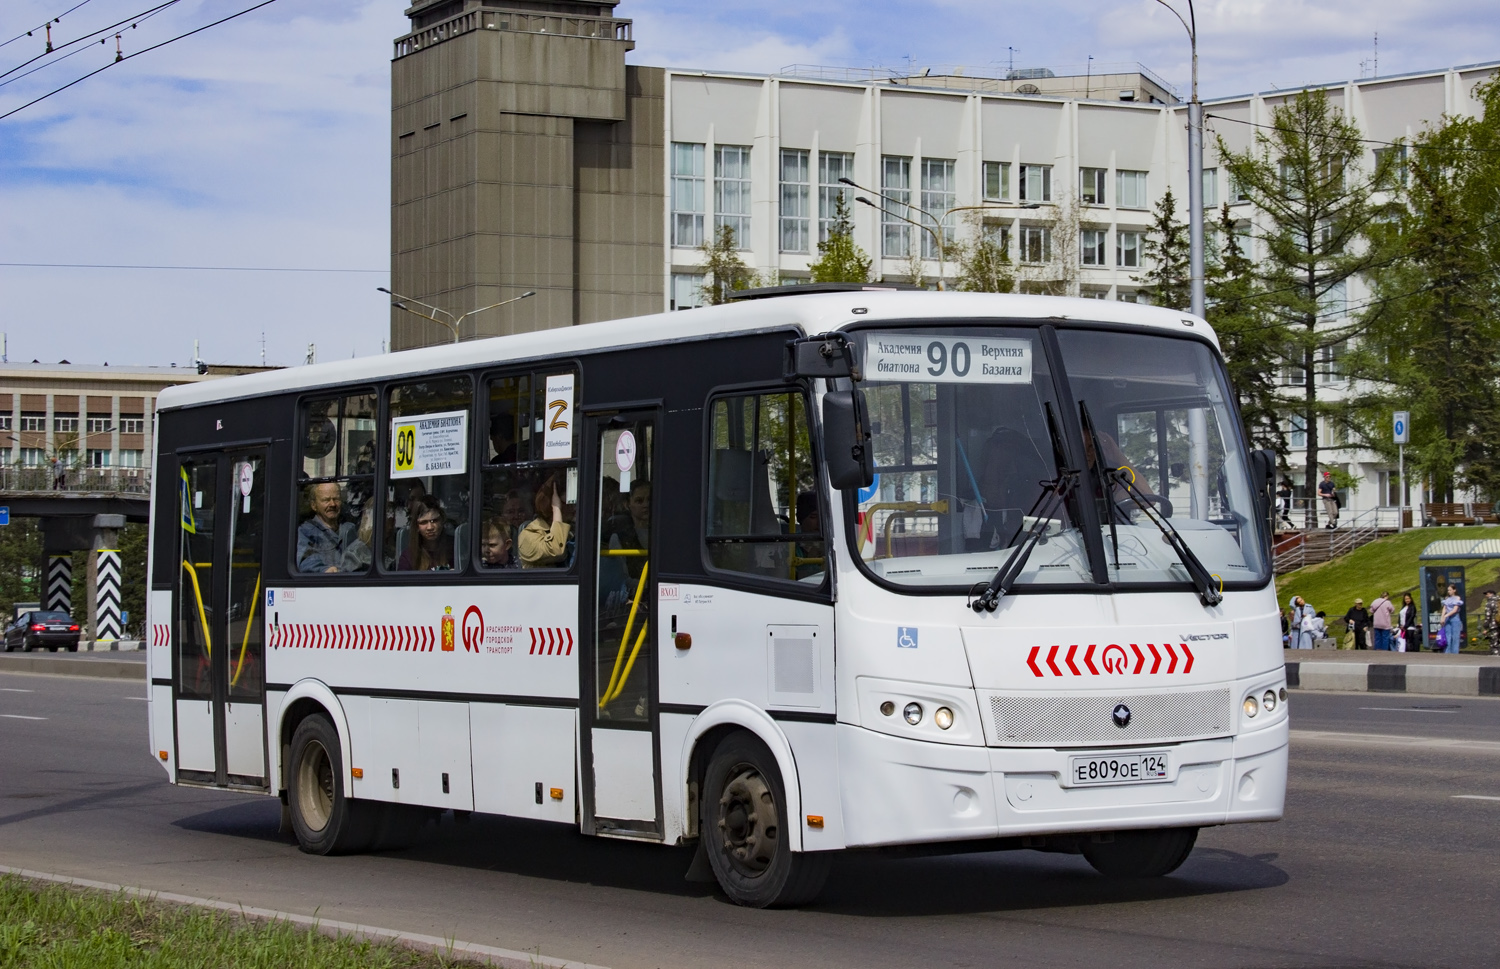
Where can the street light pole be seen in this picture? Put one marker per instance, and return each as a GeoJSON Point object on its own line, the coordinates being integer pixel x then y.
{"type": "Point", "coordinates": [1195, 166]}
{"type": "Point", "coordinates": [453, 322]}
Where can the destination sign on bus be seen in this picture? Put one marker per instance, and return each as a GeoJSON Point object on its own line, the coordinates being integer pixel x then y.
{"type": "Point", "coordinates": [435, 444]}
{"type": "Point", "coordinates": [919, 358]}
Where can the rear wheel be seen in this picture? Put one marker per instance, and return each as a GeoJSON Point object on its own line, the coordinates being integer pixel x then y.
{"type": "Point", "coordinates": [1142, 854]}
{"type": "Point", "coordinates": [324, 820]}
{"type": "Point", "coordinates": [743, 824]}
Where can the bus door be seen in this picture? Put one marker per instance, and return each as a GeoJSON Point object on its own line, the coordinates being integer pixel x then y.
{"type": "Point", "coordinates": [219, 682]}
{"type": "Point", "coordinates": [619, 716]}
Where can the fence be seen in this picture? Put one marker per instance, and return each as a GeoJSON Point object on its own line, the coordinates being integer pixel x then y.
{"type": "Point", "coordinates": [134, 481]}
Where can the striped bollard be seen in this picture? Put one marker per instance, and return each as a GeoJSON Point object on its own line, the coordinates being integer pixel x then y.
{"type": "Point", "coordinates": [108, 621]}
{"type": "Point", "coordinates": [60, 583]}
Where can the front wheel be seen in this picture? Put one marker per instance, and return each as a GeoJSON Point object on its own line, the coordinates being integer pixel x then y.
{"type": "Point", "coordinates": [1142, 854]}
{"type": "Point", "coordinates": [743, 824]}
{"type": "Point", "coordinates": [323, 818]}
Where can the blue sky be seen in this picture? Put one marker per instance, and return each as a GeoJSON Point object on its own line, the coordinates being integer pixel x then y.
{"type": "Point", "coordinates": [265, 141]}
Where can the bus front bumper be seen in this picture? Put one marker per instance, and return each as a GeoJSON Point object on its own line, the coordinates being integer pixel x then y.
{"type": "Point", "coordinates": [900, 791]}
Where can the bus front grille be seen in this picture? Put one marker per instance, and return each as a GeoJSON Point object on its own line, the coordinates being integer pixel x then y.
{"type": "Point", "coordinates": [1074, 721]}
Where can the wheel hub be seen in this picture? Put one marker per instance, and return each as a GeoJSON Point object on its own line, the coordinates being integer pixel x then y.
{"type": "Point", "coordinates": [749, 824]}
{"type": "Point", "coordinates": [315, 792]}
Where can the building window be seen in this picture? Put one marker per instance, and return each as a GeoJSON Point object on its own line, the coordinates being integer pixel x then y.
{"type": "Point", "coordinates": [732, 192]}
{"type": "Point", "coordinates": [1295, 429]}
{"type": "Point", "coordinates": [5, 423]}
{"type": "Point", "coordinates": [687, 195]}
{"type": "Point", "coordinates": [938, 196]}
{"type": "Point", "coordinates": [1210, 188]}
{"type": "Point", "coordinates": [98, 458]}
{"type": "Point", "coordinates": [1087, 293]}
{"type": "Point", "coordinates": [130, 458]}
{"type": "Point", "coordinates": [1128, 250]}
{"type": "Point", "coordinates": [1332, 433]}
{"type": "Point", "coordinates": [1130, 190]}
{"type": "Point", "coordinates": [1334, 303]}
{"type": "Point", "coordinates": [34, 422]}
{"type": "Point", "coordinates": [1035, 183]}
{"type": "Point", "coordinates": [1091, 247]}
{"type": "Point", "coordinates": [99, 425]}
{"type": "Point", "coordinates": [687, 290]}
{"type": "Point", "coordinates": [794, 199]}
{"type": "Point", "coordinates": [132, 425]}
{"type": "Point", "coordinates": [997, 181]}
{"type": "Point", "coordinates": [1091, 186]}
{"type": "Point", "coordinates": [895, 186]}
{"type": "Point", "coordinates": [65, 423]}
{"type": "Point", "coordinates": [832, 166]}
{"type": "Point", "coordinates": [1329, 363]}
{"type": "Point", "coordinates": [1237, 192]}
{"type": "Point", "coordinates": [33, 457]}
{"type": "Point", "coordinates": [1394, 156]}
{"type": "Point", "coordinates": [1036, 244]}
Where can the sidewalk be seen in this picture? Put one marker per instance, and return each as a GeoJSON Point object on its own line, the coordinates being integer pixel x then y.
{"type": "Point", "coordinates": [129, 665]}
{"type": "Point", "coordinates": [1376, 671]}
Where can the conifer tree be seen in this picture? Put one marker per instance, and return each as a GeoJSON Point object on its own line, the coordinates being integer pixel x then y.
{"type": "Point", "coordinates": [840, 259]}
{"type": "Point", "coordinates": [1168, 280]}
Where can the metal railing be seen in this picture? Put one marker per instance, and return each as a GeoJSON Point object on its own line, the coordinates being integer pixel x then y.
{"type": "Point", "coordinates": [130, 481]}
{"type": "Point", "coordinates": [600, 28]}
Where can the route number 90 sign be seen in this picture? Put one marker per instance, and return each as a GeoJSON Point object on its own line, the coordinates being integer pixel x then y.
{"type": "Point", "coordinates": [916, 357]}
{"type": "Point", "coordinates": [433, 444]}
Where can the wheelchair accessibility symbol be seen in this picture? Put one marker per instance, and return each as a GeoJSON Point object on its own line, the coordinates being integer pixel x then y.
{"type": "Point", "coordinates": [906, 637]}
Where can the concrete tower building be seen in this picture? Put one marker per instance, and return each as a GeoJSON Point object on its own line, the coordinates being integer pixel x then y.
{"type": "Point", "coordinates": [525, 155]}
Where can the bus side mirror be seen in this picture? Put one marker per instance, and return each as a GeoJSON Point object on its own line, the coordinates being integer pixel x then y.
{"type": "Point", "coordinates": [846, 439]}
{"type": "Point", "coordinates": [830, 356]}
{"type": "Point", "coordinates": [1263, 480]}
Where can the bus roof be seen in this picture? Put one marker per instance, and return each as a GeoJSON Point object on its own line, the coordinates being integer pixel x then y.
{"type": "Point", "coordinates": [814, 313]}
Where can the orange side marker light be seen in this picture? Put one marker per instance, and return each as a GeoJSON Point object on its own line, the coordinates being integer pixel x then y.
{"type": "Point", "coordinates": [815, 820]}
{"type": "Point", "coordinates": [358, 772]}
{"type": "Point", "coordinates": [162, 754]}
{"type": "Point", "coordinates": [557, 794]}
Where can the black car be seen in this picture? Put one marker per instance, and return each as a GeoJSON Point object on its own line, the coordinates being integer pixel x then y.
{"type": "Point", "coordinates": [42, 630]}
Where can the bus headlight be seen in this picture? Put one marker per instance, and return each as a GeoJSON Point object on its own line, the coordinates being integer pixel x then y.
{"type": "Point", "coordinates": [1251, 707]}
{"type": "Point", "coordinates": [913, 713]}
{"type": "Point", "coordinates": [943, 717]}
{"type": "Point", "coordinates": [1269, 700]}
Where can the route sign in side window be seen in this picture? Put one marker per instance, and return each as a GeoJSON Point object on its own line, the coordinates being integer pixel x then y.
{"type": "Point", "coordinates": [764, 517]}
{"type": "Point", "coordinates": [426, 526]}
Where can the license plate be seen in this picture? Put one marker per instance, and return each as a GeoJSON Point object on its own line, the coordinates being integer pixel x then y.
{"type": "Point", "coordinates": [1134, 768]}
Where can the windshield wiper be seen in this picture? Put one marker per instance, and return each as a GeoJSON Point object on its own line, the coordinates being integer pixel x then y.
{"type": "Point", "coordinates": [1102, 478]}
{"type": "Point", "coordinates": [1054, 495]}
{"type": "Point", "coordinates": [1208, 593]}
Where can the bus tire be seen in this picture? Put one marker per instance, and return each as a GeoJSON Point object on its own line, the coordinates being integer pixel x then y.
{"type": "Point", "coordinates": [742, 819]}
{"type": "Point", "coordinates": [1142, 854]}
{"type": "Point", "coordinates": [324, 820]}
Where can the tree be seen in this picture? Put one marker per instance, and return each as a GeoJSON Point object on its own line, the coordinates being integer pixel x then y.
{"type": "Point", "coordinates": [1434, 343]}
{"type": "Point", "coordinates": [726, 272]}
{"type": "Point", "coordinates": [1168, 281]}
{"type": "Point", "coordinates": [1318, 215]}
{"type": "Point", "coordinates": [1246, 337]}
{"type": "Point", "coordinates": [840, 259]}
{"type": "Point", "coordinates": [982, 262]}
{"type": "Point", "coordinates": [21, 560]}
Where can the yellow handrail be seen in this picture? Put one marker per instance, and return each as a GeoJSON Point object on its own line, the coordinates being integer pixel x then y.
{"type": "Point", "coordinates": [905, 509]}
{"type": "Point", "coordinates": [208, 645]}
{"type": "Point", "coordinates": [239, 666]}
{"type": "Point", "coordinates": [635, 604]}
{"type": "Point", "coordinates": [625, 551]}
{"type": "Point", "coordinates": [629, 665]}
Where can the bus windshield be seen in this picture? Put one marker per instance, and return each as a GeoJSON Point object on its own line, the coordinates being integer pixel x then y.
{"type": "Point", "coordinates": [982, 434]}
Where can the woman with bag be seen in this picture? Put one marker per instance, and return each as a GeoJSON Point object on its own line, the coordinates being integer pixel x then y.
{"type": "Point", "coordinates": [1452, 622]}
{"type": "Point", "coordinates": [1410, 625]}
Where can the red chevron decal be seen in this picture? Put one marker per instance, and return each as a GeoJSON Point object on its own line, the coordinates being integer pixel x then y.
{"type": "Point", "coordinates": [1155, 657]}
{"type": "Point", "coordinates": [1031, 660]}
{"type": "Point", "coordinates": [1088, 660]}
{"type": "Point", "coordinates": [1189, 654]}
{"type": "Point", "coordinates": [1140, 658]}
{"type": "Point", "coordinates": [1115, 659]}
{"type": "Point", "coordinates": [1052, 661]}
{"type": "Point", "coordinates": [1071, 650]}
{"type": "Point", "coordinates": [1171, 657]}
{"type": "Point", "coordinates": [570, 643]}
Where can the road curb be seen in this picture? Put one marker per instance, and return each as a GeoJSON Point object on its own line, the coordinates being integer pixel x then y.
{"type": "Point", "coordinates": [114, 669]}
{"type": "Point", "coordinates": [505, 958]}
{"type": "Point", "coordinates": [1427, 678]}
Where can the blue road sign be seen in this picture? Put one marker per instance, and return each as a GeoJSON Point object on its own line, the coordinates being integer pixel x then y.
{"type": "Point", "coordinates": [4, 514]}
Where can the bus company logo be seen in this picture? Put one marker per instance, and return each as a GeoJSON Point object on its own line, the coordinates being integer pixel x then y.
{"type": "Point", "coordinates": [473, 631]}
{"type": "Point", "coordinates": [1113, 659]}
{"type": "Point", "coordinates": [447, 637]}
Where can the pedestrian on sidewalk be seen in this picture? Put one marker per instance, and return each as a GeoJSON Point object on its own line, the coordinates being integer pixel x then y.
{"type": "Point", "coordinates": [1330, 497]}
{"type": "Point", "coordinates": [1315, 627]}
{"type": "Point", "coordinates": [1410, 623]}
{"type": "Point", "coordinates": [1492, 621]}
{"type": "Point", "coordinates": [1284, 502]}
{"type": "Point", "coordinates": [1357, 619]}
{"type": "Point", "coordinates": [1301, 612]}
{"type": "Point", "coordinates": [1452, 621]}
{"type": "Point", "coordinates": [1381, 613]}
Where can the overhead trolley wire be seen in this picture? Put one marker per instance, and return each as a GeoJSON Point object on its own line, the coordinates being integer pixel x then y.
{"type": "Point", "coordinates": [144, 15]}
{"type": "Point", "coordinates": [172, 40]}
{"type": "Point", "coordinates": [54, 20]}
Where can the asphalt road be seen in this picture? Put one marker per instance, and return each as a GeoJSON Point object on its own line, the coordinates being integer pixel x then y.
{"type": "Point", "coordinates": [1385, 859]}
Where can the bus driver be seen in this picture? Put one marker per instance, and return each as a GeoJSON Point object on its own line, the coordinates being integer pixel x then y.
{"type": "Point", "coordinates": [322, 539]}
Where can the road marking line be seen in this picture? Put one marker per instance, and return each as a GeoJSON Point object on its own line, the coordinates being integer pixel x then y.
{"type": "Point", "coordinates": [136, 698]}
{"type": "Point", "coordinates": [1390, 740]}
{"type": "Point", "coordinates": [12, 689]}
{"type": "Point", "coordinates": [1407, 710]}
{"type": "Point", "coordinates": [17, 716]}
{"type": "Point", "coordinates": [505, 958]}
{"type": "Point", "coordinates": [1475, 797]}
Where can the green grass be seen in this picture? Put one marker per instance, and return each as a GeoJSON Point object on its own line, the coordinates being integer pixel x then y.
{"type": "Point", "coordinates": [1388, 565]}
{"type": "Point", "coordinates": [61, 927]}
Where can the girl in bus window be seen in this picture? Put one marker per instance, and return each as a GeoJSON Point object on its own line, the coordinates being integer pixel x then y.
{"type": "Point", "coordinates": [428, 548]}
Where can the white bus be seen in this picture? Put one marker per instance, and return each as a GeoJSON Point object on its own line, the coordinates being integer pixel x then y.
{"type": "Point", "coordinates": [802, 573]}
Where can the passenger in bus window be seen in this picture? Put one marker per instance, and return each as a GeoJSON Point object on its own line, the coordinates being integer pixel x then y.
{"type": "Point", "coordinates": [503, 439]}
{"type": "Point", "coordinates": [322, 538]}
{"type": "Point", "coordinates": [359, 554]}
{"type": "Point", "coordinates": [547, 540]}
{"type": "Point", "coordinates": [496, 550]}
{"type": "Point", "coordinates": [428, 548]}
{"type": "Point", "coordinates": [632, 529]}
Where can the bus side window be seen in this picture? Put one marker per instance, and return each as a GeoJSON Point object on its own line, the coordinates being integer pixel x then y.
{"type": "Point", "coordinates": [764, 516]}
{"type": "Point", "coordinates": [518, 480]}
{"type": "Point", "coordinates": [426, 526]}
{"type": "Point", "coordinates": [335, 519]}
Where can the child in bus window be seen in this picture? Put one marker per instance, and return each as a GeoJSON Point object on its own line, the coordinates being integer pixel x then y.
{"type": "Point", "coordinates": [495, 548]}
{"type": "Point", "coordinates": [428, 549]}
